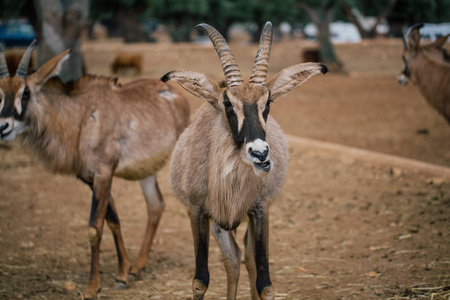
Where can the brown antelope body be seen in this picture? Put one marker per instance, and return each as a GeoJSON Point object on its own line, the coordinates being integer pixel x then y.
{"type": "Point", "coordinates": [96, 129]}
{"type": "Point", "coordinates": [231, 162]}
{"type": "Point", "coordinates": [428, 67]}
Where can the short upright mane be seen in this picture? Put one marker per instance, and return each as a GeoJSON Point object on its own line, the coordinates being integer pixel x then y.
{"type": "Point", "coordinates": [74, 87]}
{"type": "Point", "coordinates": [90, 80]}
{"type": "Point", "coordinates": [444, 61]}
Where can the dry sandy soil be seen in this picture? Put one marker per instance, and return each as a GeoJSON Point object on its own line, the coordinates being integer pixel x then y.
{"type": "Point", "coordinates": [344, 227]}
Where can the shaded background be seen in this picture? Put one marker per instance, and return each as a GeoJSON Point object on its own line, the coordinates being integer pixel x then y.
{"type": "Point", "coordinates": [156, 36]}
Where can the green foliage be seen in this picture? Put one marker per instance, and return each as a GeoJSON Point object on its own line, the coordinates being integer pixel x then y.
{"type": "Point", "coordinates": [217, 12]}
{"type": "Point", "coordinates": [11, 8]}
{"type": "Point", "coordinates": [415, 11]}
{"type": "Point", "coordinates": [369, 7]}
{"type": "Point", "coordinates": [222, 13]}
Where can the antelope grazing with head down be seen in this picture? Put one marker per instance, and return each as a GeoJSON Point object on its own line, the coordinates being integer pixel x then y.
{"type": "Point", "coordinates": [127, 61]}
{"type": "Point", "coordinates": [96, 129]}
{"type": "Point", "coordinates": [231, 162]}
{"type": "Point", "coordinates": [428, 67]}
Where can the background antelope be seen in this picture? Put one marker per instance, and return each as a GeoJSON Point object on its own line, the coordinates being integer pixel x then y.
{"type": "Point", "coordinates": [232, 161]}
{"type": "Point", "coordinates": [96, 129]}
{"type": "Point", "coordinates": [428, 67]}
{"type": "Point", "coordinates": [127, 61]}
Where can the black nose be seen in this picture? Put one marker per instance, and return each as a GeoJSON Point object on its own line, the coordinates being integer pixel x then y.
{"type": "Point", "coordinates": [3, 127]}
{"type": "Point", "coordinates": [259, 155]}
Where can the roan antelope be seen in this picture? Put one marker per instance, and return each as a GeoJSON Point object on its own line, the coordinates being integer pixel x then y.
{"type": "Point", "coordinates": [127, 61]}
{"type": "Point", "coordinates": [96, 129]}
{"type": "Point", "coordinates": [428, 67]}
{"type": "Point", "coordinates": [231, 162]}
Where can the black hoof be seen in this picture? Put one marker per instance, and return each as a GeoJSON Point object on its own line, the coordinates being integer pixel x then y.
{"type": "Point", "coordinates": [120, 285]}
{"type": "Point", "coordinates": [198, 289]}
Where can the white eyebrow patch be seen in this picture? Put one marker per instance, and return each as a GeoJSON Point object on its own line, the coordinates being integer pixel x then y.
{"type": "Point", "coordinates": [2, 99]}
{"type": "Point", "coordinates": [18, 100]}
{"type": "Point", "coordinates": [168, 95]}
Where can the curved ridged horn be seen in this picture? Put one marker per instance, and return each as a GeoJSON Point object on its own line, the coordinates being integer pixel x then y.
{"type": "Point", "coordinates": [408, 32]}
{"type": "Point", "coordinates": [261, 66]}
{"type": "Point", "coordinates": [405, 44]}
{"type": "Point", "coordinates": [25, 61]}
{"type": "Point", "coordinates": [3, 66]}
{"type": "Point", "coordinates": [229, 64]}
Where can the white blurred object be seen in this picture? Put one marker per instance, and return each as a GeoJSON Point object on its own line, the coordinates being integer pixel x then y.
{"type": "Point", "coordinates": [285, 29]}
{"type": "Point", "coordinates": [341, 32]}
{"type": "Point", "coordinates": [432, 32]}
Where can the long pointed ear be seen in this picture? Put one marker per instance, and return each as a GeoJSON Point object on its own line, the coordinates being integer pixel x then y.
{"type": "Point", "coordinates": [49, 69]}
{"type": "Point", "coordinates": [440, 41]}
{"type": "Point", "coordinates": [414, 37]}
{"type": "Point", "coordinates": [198, 84]}
{"type": "Point", "coordinates": [292, 77]}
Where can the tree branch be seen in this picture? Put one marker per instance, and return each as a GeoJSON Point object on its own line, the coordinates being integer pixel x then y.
{"type": "Point", "coordinates": [371, 32]}
{"type": "Point", "coordinates": [352, 18]}
{"type": "Point", "coordinates": [311, 12]}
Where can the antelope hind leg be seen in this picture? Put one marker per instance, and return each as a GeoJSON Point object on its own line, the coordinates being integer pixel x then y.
{"type": "Point", "coordinates": [112, 220]}
{"type": "Point", "coordinates": [155, 208]}
{"type": "Point", "coordinates": [250, 261]}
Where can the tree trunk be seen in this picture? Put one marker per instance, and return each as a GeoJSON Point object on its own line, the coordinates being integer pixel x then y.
{"type": "Point", "coordinates": [352, 18]}
{"type": "Point", "coordinates": [326, 49]}
{"type": "Point", "coordinates": [322, 17]}
{"type": "Point", "coordinates": [59, 27]}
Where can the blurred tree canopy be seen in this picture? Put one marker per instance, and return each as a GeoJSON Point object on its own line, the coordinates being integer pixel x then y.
{"type": "Point", "coordinates": [181, 16]}
{"type": "Point", "coordinates": [127, 17]}
{"type": "Point", "coordinates": [132, 19]}
{"type": "Point", "coordinates": [409, 12]}
{"type": "Point", "coordinates": [12, 8]}
{"type": "Point", "coordinates": [415, 11]}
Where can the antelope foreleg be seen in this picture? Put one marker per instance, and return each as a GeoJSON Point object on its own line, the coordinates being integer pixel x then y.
{"type": "Point", "coordinates": [259, 229]}
{"type": "Point", "coordinates": [200, 232]}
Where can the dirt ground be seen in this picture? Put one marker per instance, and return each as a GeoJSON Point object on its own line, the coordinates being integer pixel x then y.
{"type": "Point", "coordinates": [342, 228]}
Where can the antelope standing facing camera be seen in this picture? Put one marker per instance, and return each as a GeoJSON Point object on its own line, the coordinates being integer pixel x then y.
{"type": "Point", "coordinates": [96, 129]}
{"type": "Point", "coordinates": [232, 161]}
{"type": "Point", "coordinates": [428, 67]}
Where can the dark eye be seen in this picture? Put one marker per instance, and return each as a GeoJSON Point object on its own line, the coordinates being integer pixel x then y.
{"type": "Point", "coordinates": [227, 104]}
{"type": "Point", "coordinates": [26, 94]}
{"type": "Point", "coordinates": [266, 110]}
